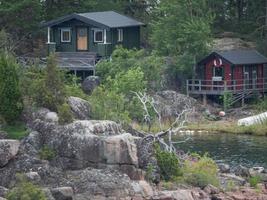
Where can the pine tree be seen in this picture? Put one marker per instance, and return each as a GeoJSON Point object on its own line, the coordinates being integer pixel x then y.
{"type": "Point", "coordinates": [10, 99]}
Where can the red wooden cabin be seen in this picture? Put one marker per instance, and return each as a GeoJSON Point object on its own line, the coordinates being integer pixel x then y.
{"type": "Point", "coordinates": [241, 72]}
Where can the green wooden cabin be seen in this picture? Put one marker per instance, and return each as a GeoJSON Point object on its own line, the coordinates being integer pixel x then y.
{"type": "Point", "coordinates": [95, 32]}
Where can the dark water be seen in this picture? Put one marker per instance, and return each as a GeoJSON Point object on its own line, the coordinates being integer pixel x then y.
{"type": "Point", "coordinates": [228, 148]}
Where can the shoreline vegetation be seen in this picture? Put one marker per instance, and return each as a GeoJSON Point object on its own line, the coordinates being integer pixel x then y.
{"type": "Point", "coordinates": [230, 127]}
{"type": "Point", "coordinates": [205, 126]}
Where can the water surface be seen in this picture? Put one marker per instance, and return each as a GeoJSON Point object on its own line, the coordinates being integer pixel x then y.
{"type": "Point", "coordinates": [228, 148]}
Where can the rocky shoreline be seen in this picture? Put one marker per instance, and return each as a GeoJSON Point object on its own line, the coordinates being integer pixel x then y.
{"type": "Point", "coordinates": [99, 160]}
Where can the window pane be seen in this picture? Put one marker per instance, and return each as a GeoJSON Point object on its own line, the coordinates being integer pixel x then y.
{"type": "Point", "coordinates": [66, 36]}
{"type": "Point", "coordinates": [99, 36]}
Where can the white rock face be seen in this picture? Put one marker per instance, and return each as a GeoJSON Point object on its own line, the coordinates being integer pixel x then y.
{"type": "Point", "coordinates": [80, 108]}
{"type": "Point", "coordinates": [51, 117]}
{"type": "Point", "coordinates": [8, 150]}
{"type": "Point", "coordinates": [256, 119]}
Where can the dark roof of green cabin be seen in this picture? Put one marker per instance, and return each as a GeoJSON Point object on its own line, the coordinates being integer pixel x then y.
{"type": "Point", "coordinates": [238, 57]}
{"type": "Point", "coordinates": [109, 19]}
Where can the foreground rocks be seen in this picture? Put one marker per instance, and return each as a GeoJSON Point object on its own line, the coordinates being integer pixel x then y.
{"type": "Point", "coordinates": [93, 160]}
{"type": "Point", "coordinates": [8, 150]}
{"type": "Point", "coordinates": [80, 108]}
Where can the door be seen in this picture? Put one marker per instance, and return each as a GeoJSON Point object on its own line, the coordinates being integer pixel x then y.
{"type": "Point", "coordinates": [82, 39]}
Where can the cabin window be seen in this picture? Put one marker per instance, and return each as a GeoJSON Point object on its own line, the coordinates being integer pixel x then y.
{"type": "Point", "coordinates": [218, 72]}
{"type": "Point", "coordinates": [98, 36]}
{"type": "Point", "coordinates": [120, 35]}
{"type": "Point", "coordinates": [65, 35]}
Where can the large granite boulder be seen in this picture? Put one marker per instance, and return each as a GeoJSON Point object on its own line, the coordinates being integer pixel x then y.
{"type": "Point", "coordinates": [91, 143]}
{"type": "Point", "coordinates": [8, 150]}
{"type": "Point", "coordinates": [80, 108]}
{"type": "Point", "coordinates": [90, 83]}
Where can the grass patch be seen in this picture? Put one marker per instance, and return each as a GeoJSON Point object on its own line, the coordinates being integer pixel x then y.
{"type": "Point", "coordinates": [230, 127]}
{"type": "Point", "coordinates": [17, 131]}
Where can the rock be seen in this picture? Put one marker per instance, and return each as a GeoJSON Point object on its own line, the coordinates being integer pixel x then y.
{"type": "Point", "coordinates": [48, 194]}
{"type": "Point", "coordinates": [242, 171]}
{"type": "Point", "coordinates": [169, 103]}
{"type": "Point", "coordinates": [33, 176]}
{"type": "Point", "coordinates": [210, 189]}
{"type": "Point", "coordinates": [80, 108]}
{"type": "Point", "coordinates": [226, 178]}
{"type": "Point", "coordinates": [8, 150]}
{"type": "Point", "coordinates": [147, 159]}
{"type": "Point", "coordinates": [182, 194]}
{"type": "Point", "coordinates": [255, 170]}
{"type": "Point", "coordinates": [224, 168]}
{"type": "Point", "coordinates": [3, 191]}
{"type": "Point", "coordinates": [3, 135]}
{"type": "Point", "coordinates": [90, 83]}
{"type": "Point", "coordinates": [51, 117]}
{"type": "Point", "coordinates": [101, 183]}
{"type": "Point", "coordinates": [62, 193]}
{"type": "Point", "coordinates": [258, 171]}
{"type": "Point", "coordinates": [1, 198]}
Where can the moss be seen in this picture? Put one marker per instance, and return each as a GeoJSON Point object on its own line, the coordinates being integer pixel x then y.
{"type": "Point", "coordinates": [16, 131]}
{"type": "Point", "coordinates": [46, 153]}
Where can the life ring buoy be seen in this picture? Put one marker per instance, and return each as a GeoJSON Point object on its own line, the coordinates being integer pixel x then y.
{"type": "Point", "coordinates": [217, 62]}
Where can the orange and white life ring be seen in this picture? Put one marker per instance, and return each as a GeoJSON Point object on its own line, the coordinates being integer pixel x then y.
{"type": "Point", "coordinates": [217, 62]}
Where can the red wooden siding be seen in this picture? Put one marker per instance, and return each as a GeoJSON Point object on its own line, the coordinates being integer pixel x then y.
{"type": "Point", "coordinates": [238, 76]}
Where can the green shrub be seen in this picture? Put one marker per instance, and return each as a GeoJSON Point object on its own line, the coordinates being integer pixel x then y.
{"type": "Point", "coordinates": [254, 181]}
{"type": "Point", "coordinates": [51, 90]}
{"type": "Point", "coordinates": [46, 153]}
{"type": "Point", "coordinates": [11, 104]}
{"type": "Point", "coordinates": [149, 172]}
{"type": "Point", "coordinates": [65, 114]}
{"type": "Point", "coordinates": [168, 163]}
{"type": "Point", "coordinates": [25, 190]}
{"type": "Point", "coordinates": [200, 173]}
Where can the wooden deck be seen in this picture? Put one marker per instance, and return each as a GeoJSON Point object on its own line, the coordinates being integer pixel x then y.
{"type": "Point", "coordinates": [77, 61]}
{"type": "Point", "coordinates": [73, 61]}
{"type": "Point", "coordinates": [208, 87]}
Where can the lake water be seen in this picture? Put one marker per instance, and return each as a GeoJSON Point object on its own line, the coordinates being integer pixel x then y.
{"type": "Point", "coordinates": [228, 148]}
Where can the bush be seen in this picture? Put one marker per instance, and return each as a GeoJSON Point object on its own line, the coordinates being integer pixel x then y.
{"type": "Point", "coordinates": [65, 114]}
{"type": "Point", "coordinates": [46, 153]}
{"type": "Point", "coordinates": [25, 191]}
{"type": "Point", "coordinates": [202, 172]}
{"type": "Point", "coordinates": [254, 181]}
{"type": "Point", "coordinates": [168, 163]}
{"type": "Point", "coordinates": [11, 104]}
{"type": "Point", "coordinates": [51, 91]}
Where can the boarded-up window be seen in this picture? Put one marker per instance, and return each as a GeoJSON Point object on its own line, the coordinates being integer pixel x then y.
{"type": "Point", "coordinates": [66, 35]}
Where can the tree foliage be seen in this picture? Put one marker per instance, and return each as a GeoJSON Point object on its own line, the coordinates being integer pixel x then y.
{"type": "Point", "coordinates": [11, 104]}
{"type": "Point", "coordinates": [51, 90]}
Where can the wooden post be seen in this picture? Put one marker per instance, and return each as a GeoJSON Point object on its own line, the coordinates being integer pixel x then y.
{"type": "Point", "coordinates": [48, 35]}
{"type": "Point", "coordinates": [243, 100]}
{"type": "Point", "coordinates": [204, 99]}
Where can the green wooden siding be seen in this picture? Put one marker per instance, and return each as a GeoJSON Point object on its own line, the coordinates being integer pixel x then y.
{"type": "Point", "coordinates": [131, 38]}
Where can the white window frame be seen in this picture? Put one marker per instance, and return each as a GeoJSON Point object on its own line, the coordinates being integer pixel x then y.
{"type": "Point", "coordinates": [95, 32]}
{"type": "Point", "coordinates": [65, 30]}
{"type": "Point", "coordinates": [120, 35]}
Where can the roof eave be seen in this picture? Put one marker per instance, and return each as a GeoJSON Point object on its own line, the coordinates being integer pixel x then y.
{"type": "Point", "coordinates": [73, 16]}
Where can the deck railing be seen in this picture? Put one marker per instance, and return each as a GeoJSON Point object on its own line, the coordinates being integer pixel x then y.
{"type": "Point", "coordinates": [197, 86]}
